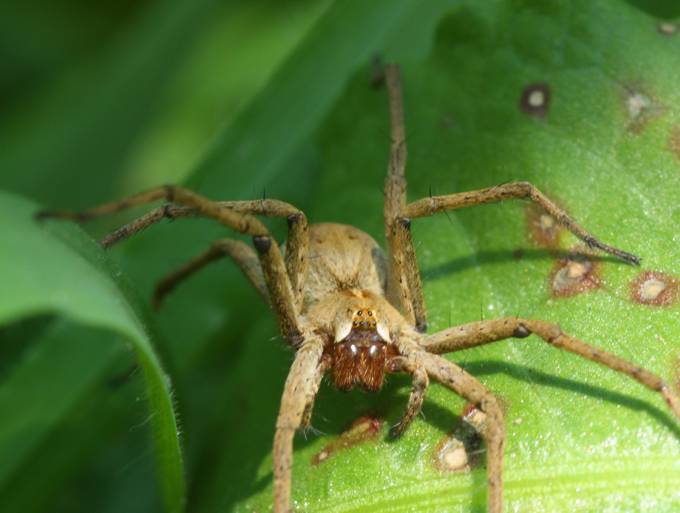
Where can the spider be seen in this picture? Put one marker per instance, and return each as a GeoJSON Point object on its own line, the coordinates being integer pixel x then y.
{"type": "Point", "coordinates": [348, 310]}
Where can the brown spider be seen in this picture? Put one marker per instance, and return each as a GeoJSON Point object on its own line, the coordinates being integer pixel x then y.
{"type": "Point", "coordinates": [348, 310]}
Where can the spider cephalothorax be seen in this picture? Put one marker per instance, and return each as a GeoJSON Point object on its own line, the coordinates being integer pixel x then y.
{"type": "Point", "coordinates": [347, 310]}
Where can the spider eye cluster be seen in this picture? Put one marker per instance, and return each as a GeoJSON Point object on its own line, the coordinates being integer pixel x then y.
{"type": "Point", "coordinates": [364, 319]}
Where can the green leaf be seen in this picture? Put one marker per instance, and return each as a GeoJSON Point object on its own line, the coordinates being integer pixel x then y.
{"type": "Point", "coordinates": [59, 270]}
{"type": "Point", "coordinates": [580, 437]}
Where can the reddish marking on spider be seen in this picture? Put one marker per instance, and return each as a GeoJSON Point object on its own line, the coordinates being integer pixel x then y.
{"type": "Point", "coordinates": [572, 275]}
{"type": "Point", "coordinates": [654, 288]}
{"type": "Point", "coordinates": [362, 430]}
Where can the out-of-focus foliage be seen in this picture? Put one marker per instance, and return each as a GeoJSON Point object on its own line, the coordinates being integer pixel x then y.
{"type": "Point", "coordinates": [242, 99]}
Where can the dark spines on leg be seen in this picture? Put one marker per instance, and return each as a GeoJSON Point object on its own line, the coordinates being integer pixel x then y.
{"type": "Point", "coordinates": [262, 243]}
{"type": "Point", "coordinates": [405, 222]}
{"type": "Point", "coordinates": [293, 219]}
{"type": "Point", "coordinates": [521, 331]}
{"type": "Point", "coordinates": [295, 338]}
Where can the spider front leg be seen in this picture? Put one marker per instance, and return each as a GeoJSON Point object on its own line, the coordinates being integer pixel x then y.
{"type": "Point", "coordinates": [322, 368]}
{"type": "Point", "coordinates": [236, 216]}
{"type": "Point", "coordinates": [484, 332]}
{"type": "Point", "coordinates": [296, 243]}
{"type": "Point", "coordinates": [452, 376]}
{"type": "Point", "coordinates": [418, 389]}
{"type": "Point", "coordinates": [515, 190]}
{"type": "Point", "coordinates": [242, 254]}
{"type": "Point", "coordinates": [299, 392]}
{"type": "Point", "coordinates": [405, 285]}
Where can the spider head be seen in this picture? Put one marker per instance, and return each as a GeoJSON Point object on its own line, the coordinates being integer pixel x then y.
{"type": "Point", "coordinates": [362, 344]}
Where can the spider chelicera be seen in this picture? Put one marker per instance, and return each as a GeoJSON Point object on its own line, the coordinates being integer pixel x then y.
{"type": "Point", "coordinates": [348, 310]}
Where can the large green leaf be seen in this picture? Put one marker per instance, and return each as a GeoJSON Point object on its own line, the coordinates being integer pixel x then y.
{"type": "Point", "coordinates": [580, 437]}
{"type": "Point", "coordinates": [62, 271]}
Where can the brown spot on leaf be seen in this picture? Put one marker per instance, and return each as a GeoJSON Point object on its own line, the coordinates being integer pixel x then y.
{"type": "Point", "coordinates": [362, 429]}
{"type": "Point", "coordinates": [535, 99]}
{"type": "Point", "coordinates": [450, 455]}
{"type": "Point", "coordinates": [640, 107]}
{"type": "Point", "coordinates": [667, 28]}
{"type": "Point", "coordinates": [572, 275]}
{"type": "Point", "coordinates": [543, 229]}
{"type": "Point", "coordinates": [654, 288]}
{"type": "Point", "coordinates": [462, 450]}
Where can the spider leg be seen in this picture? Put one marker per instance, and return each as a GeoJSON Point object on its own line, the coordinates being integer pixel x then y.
{"type": "Point", "coordinates": [515, 190]}
{"type": "Point", "coordinates": [321, 370]}
{"type": "Point", "coordinates": [296, 243]}
{"type": "Point", "coordinates": [465, 385]}
{"type": "Point", "coordinates": [298, 392]}
{"type": "Point", "coordinates": [242, 254]}
{"type": "Point", "coordinates": [238, 217]}
{"type": "Point", "coordinates": [484, 332]}
{"type": "Point", "coordinates": [405, 284]}
{"type": "Point", "coordinates": [418, 389]}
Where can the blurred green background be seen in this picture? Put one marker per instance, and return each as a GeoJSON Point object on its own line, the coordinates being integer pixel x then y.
{"type": "Point", "coordinates": [243, 99]}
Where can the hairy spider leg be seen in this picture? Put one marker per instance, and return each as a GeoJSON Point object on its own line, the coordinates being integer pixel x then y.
{"type": "Point", "coordinates": [243, 255]}
{"type": "Point", "coordinates": [404, 286]}
{"type": "Point", "coordinates": [515, 190]}
{"type": "Point", "coordinates": [299, 393]}
{"type": "Point", "coordinates": [419, 384]}
{"type": "Point", "coordinates": [238, 217]}
{"type": "Point", "coordinates": [323, 367]}
{"type": "Point", "coordinates": [494, 330]}
{"type": "Point", "coordinates": [295, 255]}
